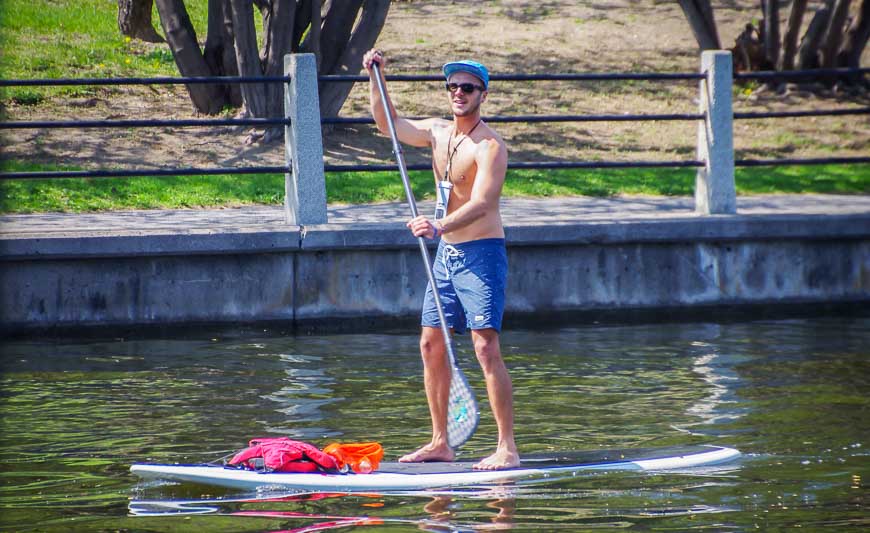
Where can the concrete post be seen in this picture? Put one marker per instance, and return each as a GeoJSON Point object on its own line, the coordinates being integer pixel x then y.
{"type": "Point", "coordinates": [305, 187]}
{"type": "Point", "coordinates": [714, 184]}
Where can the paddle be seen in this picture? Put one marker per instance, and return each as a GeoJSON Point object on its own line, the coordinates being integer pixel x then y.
{"type": "Point", "coordinates": [462, 412]}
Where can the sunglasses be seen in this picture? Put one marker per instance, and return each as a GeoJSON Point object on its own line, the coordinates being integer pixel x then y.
{"type": "Point", "coordinates": [467, 88]}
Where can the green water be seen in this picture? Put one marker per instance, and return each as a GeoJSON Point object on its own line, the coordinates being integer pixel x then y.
{"type": "Point", "coordinates": [793, 395]}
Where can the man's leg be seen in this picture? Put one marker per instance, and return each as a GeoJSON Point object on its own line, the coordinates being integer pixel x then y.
{"type": "Point", "coordinates": [500, 391]}
{"type": "Point", "coordinates": [436, 378]}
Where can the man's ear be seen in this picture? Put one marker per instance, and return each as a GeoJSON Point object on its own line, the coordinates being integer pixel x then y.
{"type": "Point", "coordinates": [483, 95]}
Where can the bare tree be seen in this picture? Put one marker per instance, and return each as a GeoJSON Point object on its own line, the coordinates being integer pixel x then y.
{"type": "Point", "coordinates": [338, 32]}
{"type": "Point", "coordinates": [134, 20]}
{"type": "Point", "coordinates": [832, 39]}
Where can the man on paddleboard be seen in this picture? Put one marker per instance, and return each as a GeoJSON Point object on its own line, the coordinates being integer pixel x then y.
{"type": "Point", "coordinates": [469, 160]}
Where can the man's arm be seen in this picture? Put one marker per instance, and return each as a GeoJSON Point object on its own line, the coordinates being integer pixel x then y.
{"type": "Point", "coordinates": [412, 132]}
{"type": "Point", "coordinates": [491, 159]}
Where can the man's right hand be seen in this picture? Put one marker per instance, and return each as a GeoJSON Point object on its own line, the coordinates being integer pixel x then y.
{"type": "Point", "coordinates": [374, 56]}
{"type": "Point", "coordinates": [421, 226]}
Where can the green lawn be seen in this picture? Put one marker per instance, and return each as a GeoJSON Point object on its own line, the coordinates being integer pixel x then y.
{"type": "Point", "coordinates": [76, 39]}
{"type": "Point", "coordinates": [81, 195]}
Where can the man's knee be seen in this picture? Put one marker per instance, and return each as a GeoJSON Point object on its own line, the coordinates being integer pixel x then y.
{"type": "Point", "coordinates": [432, 344]}
{"type": "Point", "coordinates": [486, 347]}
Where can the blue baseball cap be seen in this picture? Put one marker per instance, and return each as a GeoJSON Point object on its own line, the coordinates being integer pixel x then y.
{"type": "Point", "coordinates": [466, 65]}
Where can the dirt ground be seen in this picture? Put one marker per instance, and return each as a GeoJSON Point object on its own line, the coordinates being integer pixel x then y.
{"type": "Point", "coordinates": [510, 36]}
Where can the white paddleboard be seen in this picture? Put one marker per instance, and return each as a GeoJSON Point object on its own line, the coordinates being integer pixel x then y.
{"type": "Point", "coordinates": [417, 476]}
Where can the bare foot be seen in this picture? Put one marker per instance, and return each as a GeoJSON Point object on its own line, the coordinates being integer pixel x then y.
{"type": "Point", "coordinates": [500, 460]}
{"type": "Point", "coordinates": [429, 453]}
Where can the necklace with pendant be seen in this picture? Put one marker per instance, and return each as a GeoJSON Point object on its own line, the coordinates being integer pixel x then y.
{"type": "Point", "coordinates": [455, 148]}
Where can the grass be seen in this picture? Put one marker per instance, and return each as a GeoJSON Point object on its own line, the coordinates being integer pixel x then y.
{"type": "Point", "coordinates": [84, 195]}
{"type": "Point", "coordinates": [78, 39]}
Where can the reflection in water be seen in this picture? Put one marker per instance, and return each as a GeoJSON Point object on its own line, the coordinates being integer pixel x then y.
{"type": "Point", "coordinates": [791, 394]}
{"type": "Point", "coordinates": [441, 511]}
{"type": "Point", "coordinates": [719, 376]}
{"type": "Point", "coordinates": [305, 392]}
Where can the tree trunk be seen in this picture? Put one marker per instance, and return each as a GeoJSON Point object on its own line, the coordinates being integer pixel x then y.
{"type": "Point", "coordinates": [699, 13]}
{"type": "Point", "coordinates": [337, 25]}
{"type": "Point", "coordinates": [808, 53]}
{"type": "Point", "coordinates": [247, 57]}
{"type": "Point", "coordinates": [207, 98]}
{"type": "Point", "coordinates": [279, 36]}
{"type": "Point", "coordinates": [333, 95]}
{"type": "Point", "coordinates": [770, 8]}
{"type": "Point", "coordinates": [834, 34]}
{"type": "Point", "coordinates": [856, 38]}
{"type": "Point", "coordinates": [219, 52]}
{"type": "Point", "coordinates": [790, 41]}
{"type": "Point", "coordinates": [312, 40]}
{"type": "Point", "coordinates": [134, 20]}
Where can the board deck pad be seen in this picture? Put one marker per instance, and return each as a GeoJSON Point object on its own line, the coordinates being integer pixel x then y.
{"type": "Point", "coordinates": [550, 460]}
{"type": "Point", "coordinates": [416, 476]}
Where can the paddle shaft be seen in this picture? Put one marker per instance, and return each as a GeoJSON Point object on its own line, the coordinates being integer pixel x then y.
{"type": "Point", "coordinates": [424, 250]}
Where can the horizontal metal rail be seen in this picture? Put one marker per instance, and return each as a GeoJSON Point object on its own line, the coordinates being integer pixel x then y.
{"type": "Point", "coordinates": [59, 82]}
{"type": "Point", "coordinates": [524, 165]}
{"type": "Point", "coordinates": [127, 173]}
{"type": "Point", "coordinates": [521, 165]}
{"type": "Point", "coordinates": [332, 78]}
{"type": "Point", "coordinates": [569, 76]}
{"type": "Point", "coordinates": [56, 82]}
{"type": "Point", "coordinates": [805, 113]}
{"type": "Point", "coordinates": [801, 74]}
{"type": "Point", "coordinates": [541, 118]}
{"type": "Point", "coordinates": [804, 161]}
{"type": "Point", "coordinates": [37, 124]}
{"type": "Point", "coordinates": [135, 173]}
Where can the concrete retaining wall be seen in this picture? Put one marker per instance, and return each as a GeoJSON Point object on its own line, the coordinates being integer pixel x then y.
{"type": "Point", "coordinates": [336, 276]}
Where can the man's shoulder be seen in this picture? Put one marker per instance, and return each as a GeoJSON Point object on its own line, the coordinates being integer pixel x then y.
{"type": "Point", "coordinates": [492, 143]}
{"type": "Point", "coordinates": [491, 151]}
{"type": "Point", "coordinates": [434, 123]}
{"type": "Point", "coordinates": [490, 137]}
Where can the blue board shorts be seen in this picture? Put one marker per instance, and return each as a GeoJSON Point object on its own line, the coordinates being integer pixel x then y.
{"type": "Point", "coordinates": [471, 279]}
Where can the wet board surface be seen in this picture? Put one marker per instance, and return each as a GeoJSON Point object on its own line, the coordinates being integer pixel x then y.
{"type": "Point", "coordinates": [414, 476]}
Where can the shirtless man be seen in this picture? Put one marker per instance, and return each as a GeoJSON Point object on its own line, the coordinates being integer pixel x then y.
{"type": "Point", "coordinates": [469, 160]}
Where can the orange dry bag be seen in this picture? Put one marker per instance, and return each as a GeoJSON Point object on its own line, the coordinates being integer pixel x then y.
{"type": "Point", "coordinates": [361, 457]}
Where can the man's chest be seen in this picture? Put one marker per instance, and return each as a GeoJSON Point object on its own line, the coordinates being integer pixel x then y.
{"type": "Point", "coordinates": [454, 159]}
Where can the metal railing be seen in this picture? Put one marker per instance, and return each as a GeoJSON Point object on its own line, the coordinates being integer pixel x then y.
{"type": "Point", "coordinates": [714, 159]}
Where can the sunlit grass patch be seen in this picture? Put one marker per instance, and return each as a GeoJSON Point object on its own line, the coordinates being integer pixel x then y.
{"type": "Point", "coordinates": [76, 38]}
{"type": "Point", "coordinates": [100, 194]}
{"type": "Point", "coordinates": [178, 192]}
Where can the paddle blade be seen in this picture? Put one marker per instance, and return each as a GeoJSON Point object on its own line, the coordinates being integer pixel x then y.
{"type": "Point", "coordinates": [462, 412]}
